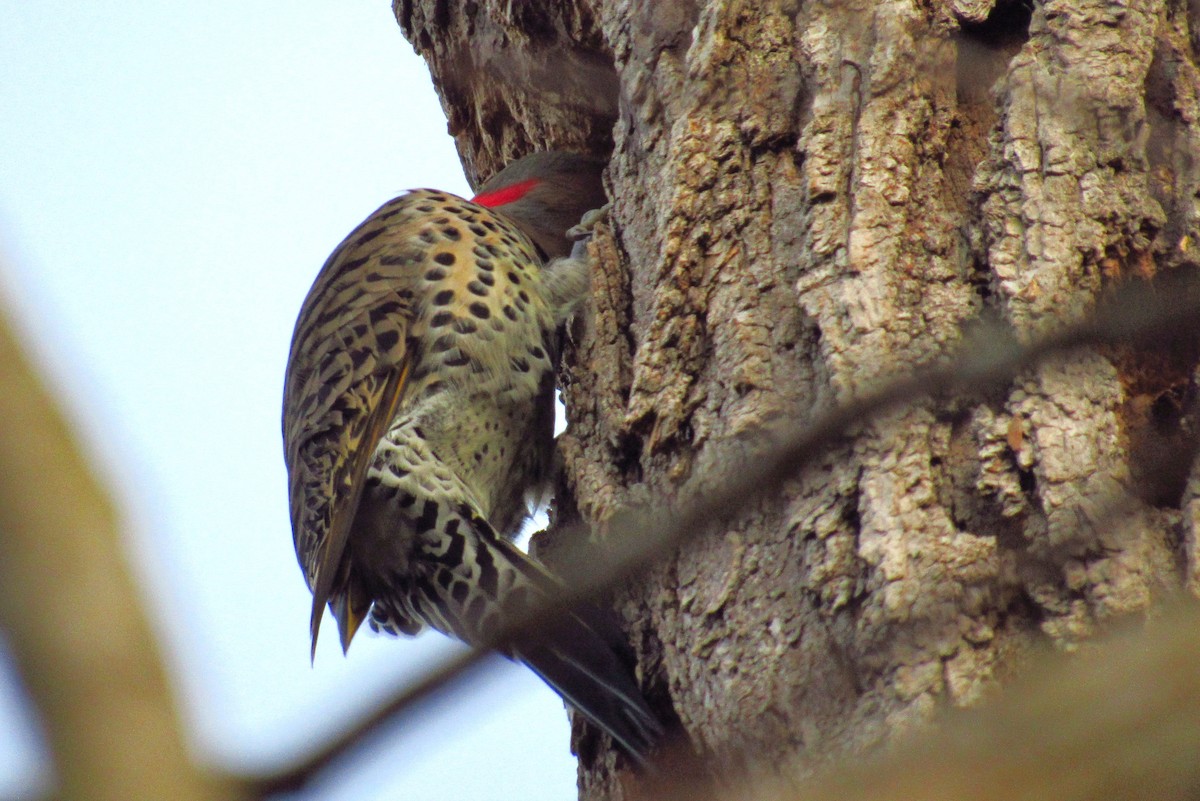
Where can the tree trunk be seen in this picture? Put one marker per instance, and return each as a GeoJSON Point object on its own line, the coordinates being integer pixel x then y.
{"type": "Point", "coordinates": [806, 198]}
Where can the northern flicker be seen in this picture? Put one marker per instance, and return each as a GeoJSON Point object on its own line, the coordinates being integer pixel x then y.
{"type": "Point", "coordinates": [418, 416]}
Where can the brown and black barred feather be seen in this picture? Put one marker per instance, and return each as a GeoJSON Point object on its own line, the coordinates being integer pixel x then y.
{"type": "Point", "coordinates": [418, 416]}
{"type": "Point", "coordinates": [346, 372]}
{"type": "Point", "coordinates": [387, 319]}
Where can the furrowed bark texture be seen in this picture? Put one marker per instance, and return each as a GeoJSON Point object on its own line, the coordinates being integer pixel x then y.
{"type": "Point", "coordinates": [808, 197]}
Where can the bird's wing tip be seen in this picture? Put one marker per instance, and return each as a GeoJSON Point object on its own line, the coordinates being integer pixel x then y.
{"type": "Point", "coordinates": [314, 628]}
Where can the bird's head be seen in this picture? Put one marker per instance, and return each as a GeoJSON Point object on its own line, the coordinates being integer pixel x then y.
{"type": "Point", "coordinates": [546, 193]}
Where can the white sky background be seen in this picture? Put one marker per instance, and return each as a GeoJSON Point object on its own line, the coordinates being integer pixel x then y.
{"type": "Point", "coordinates": [172, 176]}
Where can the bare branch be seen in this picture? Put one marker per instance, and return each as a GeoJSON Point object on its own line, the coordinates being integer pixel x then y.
{"type": "Point", "coordinates": [989, 356]}
{"type": "Point", "coordinates": [73, 615]}
{"type": "Point", "coordinates": [1120, 722]}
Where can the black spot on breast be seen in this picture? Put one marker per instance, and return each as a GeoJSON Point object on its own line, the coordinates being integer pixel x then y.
{"type": "Point", "coordinates": [485, 278]}
{"type": "Point", "coordinates": [456, 361]}
{"type": "Point", "coordinates": [523, 295]}
{"type": "Point", "coordinates": [440, 319]}
{"type": "Point", "coordinates": [465, 326]}
{"type": "Point", "coordinates": [427, 237]}
{"type": "Point", "coordinates": [388, 339]}
{"type": "Point", "coordinates": [452, 233]}
{"type": "Point", "coordinates": [441, 220]}
{"type": "Point", "coordinates": [428, 518]}
{"type": "Point", "coordinates": [537, 353]}
{"type": "Point", "coordinates": [480, 310]}
{"type": "Point", "coordinates": [478, 230]}
{"type": "Point", "coordinates": [488, 575]}
{"type": "Point", "coordinates": [516, 279]}
{"type": "Point", "coordinates": [443, 298]}
{"type": "Point", "coordinates": [425, 208]}
{"type": "Point", "coordinates": [491, 226]}
{"type": "Point", "coordinates": [476, 288]}
{"type": "Point", "coordinates": [444, 258]}
{"type": "Point", "coordinates": [485, 265]}
{"type": "Point", "coordinates": [443, 343]}
{"type": "Point", "coordinates": [454, 553]}
{"type": "Point", "coordinates": [435, 274]}
{"type": "Point", "coordinates": [520, 365]}
{"type": "Point", "coordinates": [510, 313]}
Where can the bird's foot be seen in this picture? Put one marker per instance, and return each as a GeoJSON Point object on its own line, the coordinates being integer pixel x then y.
{"type": "Point", "coordinates": [581, 234]}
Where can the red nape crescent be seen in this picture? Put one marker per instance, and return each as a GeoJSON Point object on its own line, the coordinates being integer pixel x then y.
{"type": "Point", "coordinates": [505, 195]}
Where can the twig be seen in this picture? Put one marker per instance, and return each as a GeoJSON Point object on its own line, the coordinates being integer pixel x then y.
{"type": "Point", "coordinates": [73, 615]}
{"type": "Point", "coordinates": [989, 356]}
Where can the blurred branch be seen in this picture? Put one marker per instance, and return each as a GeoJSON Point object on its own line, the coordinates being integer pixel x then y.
{"type": "Point", "coordinates": [990, 355]}
{"type": "Point", "coordinates": [1119, 723]}
{"type": "Point", "coordinates": [72, 614]}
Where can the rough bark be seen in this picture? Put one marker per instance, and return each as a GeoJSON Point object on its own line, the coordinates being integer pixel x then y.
{"type": "Point", "coordinates": [807, 196]}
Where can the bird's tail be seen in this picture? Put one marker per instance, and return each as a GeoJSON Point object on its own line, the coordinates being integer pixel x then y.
{"type": "Point", "coordinates": [579, 658]}
{"type": "Point", "coordinates": [578, 655]}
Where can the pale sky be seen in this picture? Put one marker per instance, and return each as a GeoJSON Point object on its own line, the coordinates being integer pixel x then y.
{"type": "Point", "coordinates": [172, 176]}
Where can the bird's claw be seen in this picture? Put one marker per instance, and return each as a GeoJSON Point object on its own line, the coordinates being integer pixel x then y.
{"type": "Point", "coordinates": [581, 233]}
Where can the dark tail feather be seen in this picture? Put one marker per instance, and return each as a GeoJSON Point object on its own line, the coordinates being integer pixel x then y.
{"type": "Point", "coordinates": [581, 663]}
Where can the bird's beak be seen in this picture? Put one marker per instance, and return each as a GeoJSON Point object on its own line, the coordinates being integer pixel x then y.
{"type": "Point", "coordinates": [349, 612]}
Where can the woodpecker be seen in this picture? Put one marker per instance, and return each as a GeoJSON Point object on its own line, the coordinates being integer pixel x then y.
{"type": "Point", "coordinates": [418, 417]}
